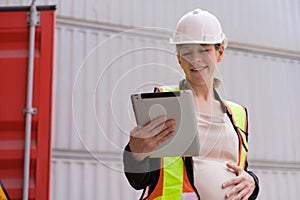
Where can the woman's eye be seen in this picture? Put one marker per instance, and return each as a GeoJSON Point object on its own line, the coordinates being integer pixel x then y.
{"type": "Point", "coordinates": [203, 51]}
{"type": "Point", "coordinates": [186, 53]}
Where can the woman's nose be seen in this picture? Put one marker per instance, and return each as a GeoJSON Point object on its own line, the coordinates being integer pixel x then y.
{"type": "Point", "coordinates": [197, 58]}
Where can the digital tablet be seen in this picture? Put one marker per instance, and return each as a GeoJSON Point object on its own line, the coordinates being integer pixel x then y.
{"type": "Point", "coordinates": [179, 106]}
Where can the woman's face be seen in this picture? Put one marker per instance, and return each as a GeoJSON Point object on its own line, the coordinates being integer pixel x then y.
{"type": "Point", "coordinates": [199, 62]}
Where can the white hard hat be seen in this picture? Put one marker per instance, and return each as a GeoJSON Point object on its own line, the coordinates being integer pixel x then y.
{"type": "Point", "coordinates": [198, 27]}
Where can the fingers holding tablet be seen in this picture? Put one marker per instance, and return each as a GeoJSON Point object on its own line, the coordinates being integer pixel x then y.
{"type": "Point", "coordinates": [144, 140]}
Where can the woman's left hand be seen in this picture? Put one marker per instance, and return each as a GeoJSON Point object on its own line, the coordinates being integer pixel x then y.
{"type": "Point", "coordinates": [243, 183]}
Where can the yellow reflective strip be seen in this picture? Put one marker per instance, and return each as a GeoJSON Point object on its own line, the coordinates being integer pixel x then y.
{"type": "Point", "coordinates": [238, 114]}
{"type": "Point", "coordinates": [2, 194]}
{"type": "Point", "coordinates": [170, 88]}
{"type": "Point", "coordinates": [173, 178]}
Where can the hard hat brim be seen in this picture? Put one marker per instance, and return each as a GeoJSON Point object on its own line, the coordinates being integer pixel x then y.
{"type": "Point", "coordinates": [223, 41]}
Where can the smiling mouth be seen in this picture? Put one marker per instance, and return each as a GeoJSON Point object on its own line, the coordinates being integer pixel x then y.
{"type": "Point", "coordinates": [198, 69]}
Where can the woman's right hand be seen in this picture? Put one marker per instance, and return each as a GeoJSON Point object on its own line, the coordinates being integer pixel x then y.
{"type": "Point", "coordinates": [144, 140]}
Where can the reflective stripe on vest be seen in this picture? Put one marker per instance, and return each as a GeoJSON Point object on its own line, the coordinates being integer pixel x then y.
{"type": "Point", "coordinates": [239, 118]}
{"type": "Point", "coordinates": [173, 179]}
{"type": "Point", "coordinates": [168, 88]}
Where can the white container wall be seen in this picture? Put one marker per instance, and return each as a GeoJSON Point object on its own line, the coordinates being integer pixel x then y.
{"type": "Point", "coordinates": [87, 179]}
{"type": "Point", "coordinates": [270, 23]}
{"type": "Point", "coordinates": [108, 67]}
{"type": "Point", "coordinates": [108, 49]}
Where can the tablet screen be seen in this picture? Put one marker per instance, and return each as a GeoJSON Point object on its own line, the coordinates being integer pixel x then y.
{"type": "Point", "coordinates": [175, 105]}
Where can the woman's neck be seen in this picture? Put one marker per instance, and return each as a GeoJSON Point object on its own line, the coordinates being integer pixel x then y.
{"type": "Point", "coordinates": [204, 97]}
{"type": "Point", "coordinates": [203, 93]}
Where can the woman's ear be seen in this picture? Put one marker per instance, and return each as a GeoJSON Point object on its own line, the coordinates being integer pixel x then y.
{"type": "Point", "coordinates": [221, 53]}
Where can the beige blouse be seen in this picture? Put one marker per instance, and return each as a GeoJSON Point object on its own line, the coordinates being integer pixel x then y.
{"type": "Point", "coordinates": [219, 145]}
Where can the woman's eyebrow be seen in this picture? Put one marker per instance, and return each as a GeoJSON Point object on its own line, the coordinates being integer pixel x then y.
{"type": "Point", "coordinates": [184, 48]}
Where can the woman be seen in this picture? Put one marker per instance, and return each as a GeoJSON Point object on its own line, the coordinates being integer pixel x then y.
{"type": "Point", "coordinates": [221, 173]}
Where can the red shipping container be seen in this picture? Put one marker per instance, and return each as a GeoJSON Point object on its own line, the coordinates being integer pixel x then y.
{"type": "Point", "coordinates": [14, 45]}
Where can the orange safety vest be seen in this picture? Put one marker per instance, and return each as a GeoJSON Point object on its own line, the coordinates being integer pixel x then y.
{"type": "Point", "coordinates": [173, 182]}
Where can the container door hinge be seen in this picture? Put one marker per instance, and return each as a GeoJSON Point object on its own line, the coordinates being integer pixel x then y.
{"type": "Point", "coordinates": [32, 111]}
{"type": "Point", "coordinates": [33, 17]}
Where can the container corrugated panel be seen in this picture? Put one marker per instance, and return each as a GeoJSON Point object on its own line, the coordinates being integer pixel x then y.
{"type": "Point", "coordinates": [252, 22]}
{"type": "Point", "coordinates": [88, 179]}
{"type": "Point", "coordinates": [278, 184]}
{"type": "Point", "coordinates": [14, 40]}
{"type": "Point", "coordinates": [105, 68]}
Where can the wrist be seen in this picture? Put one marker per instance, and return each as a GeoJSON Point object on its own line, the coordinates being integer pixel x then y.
{"type": "Point", "coordinates": [137, 156]}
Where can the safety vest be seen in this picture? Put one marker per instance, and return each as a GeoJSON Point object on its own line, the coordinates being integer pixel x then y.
{"type": "Point", "coordinates": [173, 182]}
{"type": "Point", "coordinates": [3, 192]}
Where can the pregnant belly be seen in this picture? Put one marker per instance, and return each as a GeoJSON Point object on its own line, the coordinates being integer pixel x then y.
{"type": "Point", "coordinates": [209, 177]}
